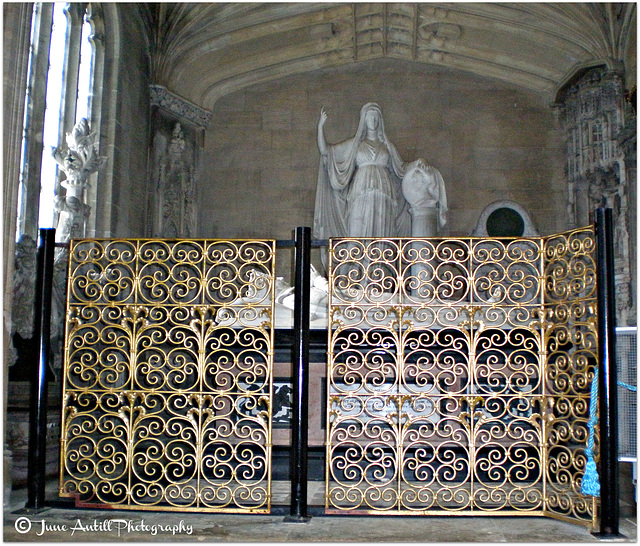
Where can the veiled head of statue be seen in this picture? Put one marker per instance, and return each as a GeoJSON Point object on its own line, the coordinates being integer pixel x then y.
{"type": "Point", "coordinates": [371, 118]}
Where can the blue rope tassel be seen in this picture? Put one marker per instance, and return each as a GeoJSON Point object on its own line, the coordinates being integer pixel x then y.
{"type": "Point", "coordinates": [590, 480]}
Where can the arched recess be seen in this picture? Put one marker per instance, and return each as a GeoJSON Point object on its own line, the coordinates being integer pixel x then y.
{"type": "Point", "coordinates": [504, 218]}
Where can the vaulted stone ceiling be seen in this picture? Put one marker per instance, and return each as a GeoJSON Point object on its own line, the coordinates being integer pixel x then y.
{"type": "Point", "coordinates": [202, 51]}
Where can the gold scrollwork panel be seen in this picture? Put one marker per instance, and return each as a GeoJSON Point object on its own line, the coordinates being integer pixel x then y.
{"type": "Point", "coordinates": [168, 375]}
{"type": "Point", "coordinates": [572, 355]}
{"type": "Point", "coordinates": [446, 391]}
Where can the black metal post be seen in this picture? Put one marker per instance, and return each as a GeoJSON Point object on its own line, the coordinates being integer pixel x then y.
{"type": "Point", "coordinates": [38, 404]}
{"type": "Point", "coordinates": [607, 379]}
{"type": "Point", "coordinates": [300, 412]}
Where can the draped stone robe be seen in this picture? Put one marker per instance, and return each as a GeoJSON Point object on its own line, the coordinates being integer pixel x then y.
{"type": "Point", "coordinates": [358, 193]}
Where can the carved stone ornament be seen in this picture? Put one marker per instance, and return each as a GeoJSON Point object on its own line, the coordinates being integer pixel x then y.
{"type": "Point", "coordinates": [175, 187]}
{"type": "Point", "coordinates": [24, 279]}
{"type": "Point", "coordinates": [79, 161]}
{"type": "Point", "coordinates": [182, 108]}
{"type": "Point", "coordinates": [596, 117]}
{"type": "Point", "coordinates": [423, 188]}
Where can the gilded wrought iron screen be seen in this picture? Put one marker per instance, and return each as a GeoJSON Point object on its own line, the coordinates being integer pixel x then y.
{"type": "Point", "coordinates": [570, 331]}
{"type": "Point", "coordinates": [459, 374]}
{"type": "Point", "coordinates": [168, 375]}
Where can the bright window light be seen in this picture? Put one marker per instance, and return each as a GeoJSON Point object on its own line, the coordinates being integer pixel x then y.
{"type": "Point", "coordinates": [85, 73]}
{"type": "Point", "coordinates": [62, 103]}
{"type": "Point", "coordinates": [51, 134]}
{"type": "Point", "coordinates": [25, 123]}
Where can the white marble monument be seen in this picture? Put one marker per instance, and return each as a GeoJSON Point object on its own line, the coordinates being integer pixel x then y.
{"type": "Point", "coordinates": [361, 186]}
{"type": "Point", "coordinates": [423, 188]}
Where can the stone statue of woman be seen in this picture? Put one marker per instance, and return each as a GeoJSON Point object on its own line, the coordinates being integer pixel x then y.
{"type": "Point", "coordinates": [358, 192]}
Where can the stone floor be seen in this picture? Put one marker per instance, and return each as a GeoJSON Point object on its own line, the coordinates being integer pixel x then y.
{"type": "Point", "coordinates": [58, 523]}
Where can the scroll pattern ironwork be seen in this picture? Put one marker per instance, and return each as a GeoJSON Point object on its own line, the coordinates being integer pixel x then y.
{"type": "Point", "coordinates": [168, 375]}
{"type": "Point", "coordinates": [449, 378]}
{"type": "Point", "coordinates": [570, 330]}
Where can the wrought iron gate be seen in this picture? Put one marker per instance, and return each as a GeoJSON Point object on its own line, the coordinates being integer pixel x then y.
{"type": "Point", "coordinates": [459, 375]}
{"type": "Point", "coordinates": [168, 375]}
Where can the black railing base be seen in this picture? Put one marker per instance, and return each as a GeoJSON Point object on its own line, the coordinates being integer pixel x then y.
{"type": "Point", "coordinates": [611, 537]}
{"type": "Point", "coordinates": [607, 377]}
{"type": "Point", "coordinates": [31, 510]}
{"type": "Point", "coordinates": [37, 457]}
{"type": "Point", "coordinates": [296, 519]}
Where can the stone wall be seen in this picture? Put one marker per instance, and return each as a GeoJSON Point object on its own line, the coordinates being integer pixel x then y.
{"type": "Point", "coordinates": [489, 141]}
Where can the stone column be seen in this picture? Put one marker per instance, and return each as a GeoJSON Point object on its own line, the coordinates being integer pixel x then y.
{"type": "Point", "coordinates": [424, 221]}
{"type": "Point", "coordinates": [17, 31]}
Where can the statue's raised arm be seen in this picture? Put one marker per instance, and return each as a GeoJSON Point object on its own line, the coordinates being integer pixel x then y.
{"type": "Point", "coordinates": [322, 143]}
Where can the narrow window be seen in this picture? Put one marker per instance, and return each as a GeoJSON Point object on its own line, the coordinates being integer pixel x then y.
{"type": "Point", "coordinates": [53, 112]}
{"type": "Point", "coordinates": [25, 141]}
{"type": "Point", "coordinates": [85, 72]}
{"type": "Point", "coordinates": [69, 73]}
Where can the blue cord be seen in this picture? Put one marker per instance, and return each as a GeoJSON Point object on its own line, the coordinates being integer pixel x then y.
{"type": "Point", "coordinates": [590, 480]}
{"type": "Point", "coordinates": [629, 387]}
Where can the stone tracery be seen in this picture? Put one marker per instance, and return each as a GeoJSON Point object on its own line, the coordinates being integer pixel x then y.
{"type": "Point", "coordinates": [595, 113]}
